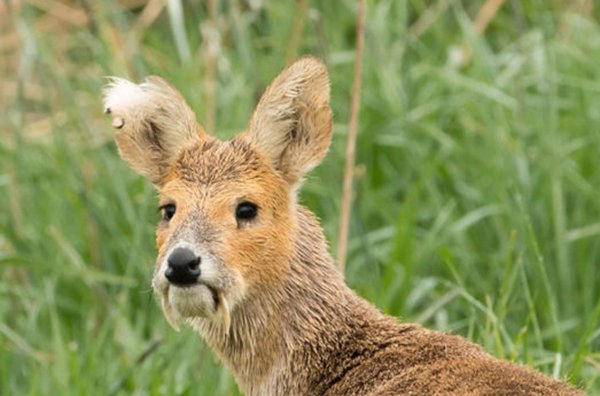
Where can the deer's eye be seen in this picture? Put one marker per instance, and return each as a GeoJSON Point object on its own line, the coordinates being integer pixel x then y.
{"type": "Point", "coordinates": [246, 211]}
{"type": "Point", "coordinates": [167, 211]}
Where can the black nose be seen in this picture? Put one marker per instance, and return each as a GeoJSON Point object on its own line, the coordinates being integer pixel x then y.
{"type": "Point", "coordinates": [184, 267]}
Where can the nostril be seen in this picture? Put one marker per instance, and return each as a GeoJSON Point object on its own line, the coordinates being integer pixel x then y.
{"type": "Point", "coordinates": [194, 267]}
{"type": "Point", "coordinates": [194, 264]}
{"type": "Point", "coordinates": [183, 267]}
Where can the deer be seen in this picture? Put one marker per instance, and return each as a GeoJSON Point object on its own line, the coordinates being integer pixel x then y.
{"type": "Point", "coordinates": [248, 267]}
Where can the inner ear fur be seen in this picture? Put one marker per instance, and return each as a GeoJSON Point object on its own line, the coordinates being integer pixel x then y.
{"type": "Point", "coordinates": [154, 123]}
{"type": "Point", "coordinates": [292, 121]}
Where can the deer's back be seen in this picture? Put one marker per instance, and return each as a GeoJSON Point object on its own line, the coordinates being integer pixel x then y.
{"type": "Point", "coordinates": [392, 358]}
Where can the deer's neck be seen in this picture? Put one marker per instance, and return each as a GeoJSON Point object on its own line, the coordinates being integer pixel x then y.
{"type": "Point", "coordinates": [278, 337]}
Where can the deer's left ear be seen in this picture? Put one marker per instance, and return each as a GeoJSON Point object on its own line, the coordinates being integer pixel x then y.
{"type": "Point", "coordinates": [154, 124]}
{"type": "Point", "coordinates": [292, 121]}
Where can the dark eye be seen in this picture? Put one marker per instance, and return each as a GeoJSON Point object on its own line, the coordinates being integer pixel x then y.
{"type": "Point", "coordinates": [246, 211]}
{"type": "Point", "coordinates": [167, 211]}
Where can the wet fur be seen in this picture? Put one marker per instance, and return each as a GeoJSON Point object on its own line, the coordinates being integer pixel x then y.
{"type": "Point", "coordinates": [294, 327]}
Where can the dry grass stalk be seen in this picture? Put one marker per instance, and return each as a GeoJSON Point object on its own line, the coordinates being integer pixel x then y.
{"type": "Point", "coordinates": [351, 142]}
{"type": "Point", "coordinates": [486, 14]}
{"type": "Point", "coordinates": [427, 18]}
{"type": "Point", "coordinates": [297, 29]}
{"type": "Point", "coordinates": [211, 49]}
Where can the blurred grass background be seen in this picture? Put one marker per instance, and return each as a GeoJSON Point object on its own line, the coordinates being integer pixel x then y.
{"type": "Point", "coordinates": [477, 206]}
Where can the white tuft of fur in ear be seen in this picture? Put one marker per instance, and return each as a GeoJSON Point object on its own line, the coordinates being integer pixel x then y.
{"type": "Point", "coordinates": [122, 95]}
{"type": "Point", "coordinates": [154, 121]}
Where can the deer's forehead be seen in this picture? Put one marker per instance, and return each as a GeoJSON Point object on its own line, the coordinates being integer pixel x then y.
{"type": "Point", "coordinates": [215, 162]}
{"type": "Point", "coordinates": [215, 173]}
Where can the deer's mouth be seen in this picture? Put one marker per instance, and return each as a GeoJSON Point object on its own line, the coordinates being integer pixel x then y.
{"type": "Point", "coordinates": [192, 301]}
{"type": "Point", "coordinates": [190, 287]}
{"type": "Point", "coordinates": [198, 299]}
{"type": "Point", "coordinates": [212, 290]}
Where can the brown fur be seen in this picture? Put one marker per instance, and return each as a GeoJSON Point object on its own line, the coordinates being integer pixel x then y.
{"type": "Point", "coordinates": [270, 302]}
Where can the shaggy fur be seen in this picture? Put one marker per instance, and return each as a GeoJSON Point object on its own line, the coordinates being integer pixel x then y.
{"type": "Point", "coordinates": [269, 300]}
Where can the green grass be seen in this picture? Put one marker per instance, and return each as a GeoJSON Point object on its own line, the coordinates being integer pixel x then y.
{"type": "Point", "coordinates": [477, 206]}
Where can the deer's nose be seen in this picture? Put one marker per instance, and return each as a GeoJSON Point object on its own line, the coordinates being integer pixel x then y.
{"type": "Point", "coordinates": [184, 267]}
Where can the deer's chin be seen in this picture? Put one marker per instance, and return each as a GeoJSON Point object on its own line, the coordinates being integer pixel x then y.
{"type": "Point", "coordinates": [197, 301]}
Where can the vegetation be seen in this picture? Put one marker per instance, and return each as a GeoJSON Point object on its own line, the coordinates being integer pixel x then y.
{"type": "Point", "coordinates": [477, 198]}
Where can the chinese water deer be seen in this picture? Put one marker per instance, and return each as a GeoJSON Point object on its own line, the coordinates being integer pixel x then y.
{"type": "Point", "coordinates": [248, 267]}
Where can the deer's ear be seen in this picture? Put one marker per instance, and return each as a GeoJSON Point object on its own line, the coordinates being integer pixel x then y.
{"type": "Point", "coordinates": [154, 123]}
{"type": "Point", "coordinates": [292, 121]}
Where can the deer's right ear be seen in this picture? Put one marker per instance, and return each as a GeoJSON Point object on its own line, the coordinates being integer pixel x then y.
{"type": "Point", "coordinates": [155, 123]}
{"type": "Point", "coordinates": [292, 121]}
